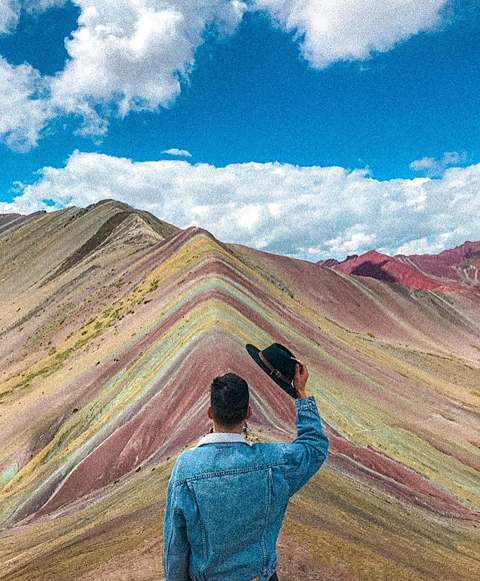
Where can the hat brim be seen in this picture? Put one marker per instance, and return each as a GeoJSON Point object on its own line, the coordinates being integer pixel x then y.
{"type": "Point", "coordinates": [253, 352]}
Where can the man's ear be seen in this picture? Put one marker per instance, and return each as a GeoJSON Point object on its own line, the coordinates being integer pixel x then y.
{"type": "Point", "coordinates": [209, 411]}
{"type": "Point", "coordinates": [249, 411]}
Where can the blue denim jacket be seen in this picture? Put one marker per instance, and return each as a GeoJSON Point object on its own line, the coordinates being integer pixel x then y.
{"type": "Point", "coordinates": [226, 501]}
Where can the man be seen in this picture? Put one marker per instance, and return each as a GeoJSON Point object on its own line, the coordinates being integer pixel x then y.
{"type": "Point", "coordinates": [227, 497]}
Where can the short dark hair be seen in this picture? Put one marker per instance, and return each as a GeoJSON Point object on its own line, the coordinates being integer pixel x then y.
{"type": "Point", "coordinates": [229, 398]}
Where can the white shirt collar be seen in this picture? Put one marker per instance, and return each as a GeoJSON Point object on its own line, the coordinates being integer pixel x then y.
{"type": "Point", "coordinates": [215, 437]}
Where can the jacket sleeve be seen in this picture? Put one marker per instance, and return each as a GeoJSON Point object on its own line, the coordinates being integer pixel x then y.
{"type": "Point", "coordinates": [176, 547]}
{"type": "Point", "coordinates": [309, 449]}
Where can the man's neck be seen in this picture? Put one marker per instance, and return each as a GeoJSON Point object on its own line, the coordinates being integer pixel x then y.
{"type": "Point", "coordinates": [224, 430]}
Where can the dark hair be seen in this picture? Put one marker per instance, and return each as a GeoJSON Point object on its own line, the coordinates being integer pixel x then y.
{"type": "Point", "coordinates": [229, 398]}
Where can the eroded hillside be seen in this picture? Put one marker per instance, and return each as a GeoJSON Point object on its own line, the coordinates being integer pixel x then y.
{"type": "Point", "coordinates": [113, 325]}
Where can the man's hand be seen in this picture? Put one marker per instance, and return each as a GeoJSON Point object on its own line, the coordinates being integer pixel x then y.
{"type": "Point", "coordinates": [300, 379]}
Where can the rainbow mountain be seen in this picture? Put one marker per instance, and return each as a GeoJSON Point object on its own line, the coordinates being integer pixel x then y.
{"type": "Point", "coordinates": [114, 323]}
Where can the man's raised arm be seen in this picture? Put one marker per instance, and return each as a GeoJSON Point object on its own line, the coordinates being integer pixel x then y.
{"type": "Point", "coordinates": [309, 449]}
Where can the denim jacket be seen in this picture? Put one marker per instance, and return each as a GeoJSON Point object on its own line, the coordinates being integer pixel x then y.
{"type": "Point", "coordinates": [226, 500]}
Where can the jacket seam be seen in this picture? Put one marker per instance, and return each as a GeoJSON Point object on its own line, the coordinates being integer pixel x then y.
{"type": "Point", "coordinates": [204, 533]}
{"type": "Point", "coordinates": [170, 532]}
{"type": "Point", "coordinates": [230, 471]}
{"type": "Point", "coordinates": [267, 515]}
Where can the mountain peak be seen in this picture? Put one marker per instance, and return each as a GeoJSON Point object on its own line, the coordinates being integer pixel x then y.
{"type": "Point", "coordinates": [451, 269]}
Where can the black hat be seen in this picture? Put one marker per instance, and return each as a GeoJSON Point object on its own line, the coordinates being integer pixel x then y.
{"type": "Point", "coordinates": [278, 362]}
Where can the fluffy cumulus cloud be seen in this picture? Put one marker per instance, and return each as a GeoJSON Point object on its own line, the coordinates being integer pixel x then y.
{"type": "Point", "coordinates": [435, 167]}
{"type": "Point", "coordinates": [177, 152]}
{"type": "Point", "coordinates": [351, 239]}
{"type": "Point", "coordinates": [9, 13]}
{"type": "Point", "coordinates": [307, 212]}
{"type": "Point", "coordinates": [24, 106]}
{"type": "Point", "coordinates": [41, 5]}
{"type": "Point", "coordinates": [124, 55]}
{"type": "Point", "coordinates": [134, 54]}
{"type": "Point", "coordinates": [333, 30]}
{"type": "Point", "coordinates": [130, 55]}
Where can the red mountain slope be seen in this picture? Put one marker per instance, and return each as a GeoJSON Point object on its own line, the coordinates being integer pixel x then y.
{"type": "Point", "coordinates": [451, 270]}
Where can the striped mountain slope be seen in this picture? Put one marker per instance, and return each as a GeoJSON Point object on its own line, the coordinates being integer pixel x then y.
{"type": "Point", "coordinates": [113, 325]}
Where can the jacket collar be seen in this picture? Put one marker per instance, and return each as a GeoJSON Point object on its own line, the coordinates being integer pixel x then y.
{"type": "Point", "coordinates": [216, 437]}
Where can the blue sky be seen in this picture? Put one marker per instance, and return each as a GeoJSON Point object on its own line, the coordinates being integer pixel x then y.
{"type": "Point", "coordinates": [255, 94]}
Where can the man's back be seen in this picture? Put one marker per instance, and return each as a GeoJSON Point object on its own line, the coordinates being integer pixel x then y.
{"type": "Point", "coordinates": [226, 501]}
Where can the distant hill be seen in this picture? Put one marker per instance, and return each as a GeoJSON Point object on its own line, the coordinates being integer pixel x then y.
{"type": "Point", "coordinates": [113, 325]}
{"type": "Point", "coordinates": [450, 270]}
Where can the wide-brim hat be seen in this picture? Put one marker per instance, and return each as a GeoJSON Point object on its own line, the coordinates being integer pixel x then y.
{"type": "Point", "coordinates": [278, 363]}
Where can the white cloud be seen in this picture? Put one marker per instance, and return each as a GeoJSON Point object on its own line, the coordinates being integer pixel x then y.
{"type": "Point", "coordinates": [9, 13]}
{"type": "Point", "coordinates": [351, 240]}
{"type": "Point", "coordinates": [334, 30]}
{"type": "Point", "coordinates": [135, 54]}
{"type": "Point", "coordinates": [437, 243]}
{"type": "Point", "coordinates": [309, 212]}
{"type": "Point", "coordinates": [177, 152]}
{"type": "Point", "coordinates": [131, 55]}
{"type": "Point", "coordinates": [435, 167]}
{"type": "Point", "coordinates": [24, 107]}
{"type": "Point", "coordinates": [42, 5]}
{"type": "Point", "coordinates": [124, 55]}
{"type": "Point", "coordinates": [248, 216]}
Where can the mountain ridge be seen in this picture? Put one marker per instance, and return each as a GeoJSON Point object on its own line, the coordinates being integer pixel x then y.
{"type": "Point", "coordinates": [451, 270]}
{"type": "Point", "coordinates": [445, 271]}
{"type": "Point", "coordinates": [110, 363]}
